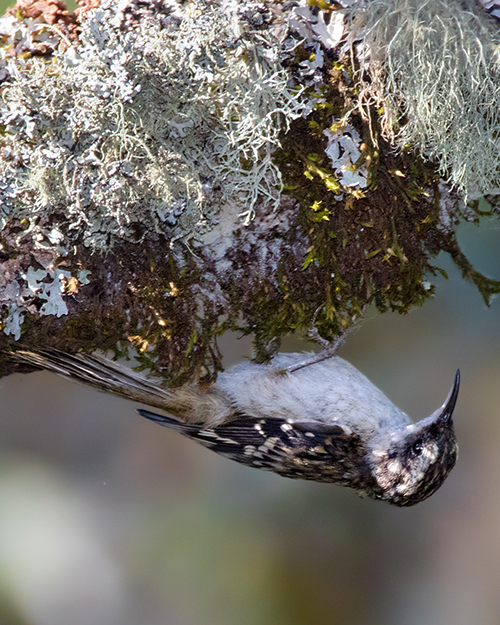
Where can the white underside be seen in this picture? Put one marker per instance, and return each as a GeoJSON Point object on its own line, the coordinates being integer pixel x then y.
{"type": "Point", "coordinates": [331, 391]}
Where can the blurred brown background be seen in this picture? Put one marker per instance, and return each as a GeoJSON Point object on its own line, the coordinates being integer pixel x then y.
{"type": "Point", "coordinates": [106, 518]}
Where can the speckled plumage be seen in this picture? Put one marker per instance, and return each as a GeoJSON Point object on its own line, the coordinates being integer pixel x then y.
{"type": "Point", "coordinates": [308, 451]}
{"type": "Point", "coordinates": [324, 422]}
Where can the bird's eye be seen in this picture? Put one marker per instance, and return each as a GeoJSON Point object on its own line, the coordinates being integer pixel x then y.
{"type": "Point", "coordinates": [417, 447]}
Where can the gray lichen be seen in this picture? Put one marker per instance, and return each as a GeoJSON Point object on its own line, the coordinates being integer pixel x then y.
{"type": "Point", "coordinates": [158, 124]}
{"type": "Point", "coordinates": [434, 70]}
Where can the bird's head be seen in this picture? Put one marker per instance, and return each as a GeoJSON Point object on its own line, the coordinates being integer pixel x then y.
{"type": "Point", "coordinates": [409, 465]}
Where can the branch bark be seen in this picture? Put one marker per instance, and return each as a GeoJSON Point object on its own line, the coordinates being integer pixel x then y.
{"type": "Point", "coordinates": [165, 178]}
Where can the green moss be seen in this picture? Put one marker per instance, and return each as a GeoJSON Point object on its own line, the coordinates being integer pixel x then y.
{"type": "Point", "coordinates": [374, 245]}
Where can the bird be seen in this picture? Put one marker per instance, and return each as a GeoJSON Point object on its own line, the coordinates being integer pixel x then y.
{"type": "Point", "coordinates": [301, 416]}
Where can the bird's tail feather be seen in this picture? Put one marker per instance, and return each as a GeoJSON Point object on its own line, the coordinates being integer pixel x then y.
{"type": "Point", "coordinates": [188, 403]}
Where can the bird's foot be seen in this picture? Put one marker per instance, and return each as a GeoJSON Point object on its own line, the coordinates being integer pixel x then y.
{"type": "Point", "coordinates": [329, 348]}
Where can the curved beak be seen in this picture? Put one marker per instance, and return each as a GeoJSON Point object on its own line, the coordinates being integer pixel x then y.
{"type": "Point", "coordinates": [447, 408]}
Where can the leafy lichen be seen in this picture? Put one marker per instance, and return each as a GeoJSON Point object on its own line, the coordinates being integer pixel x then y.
{"type": "Point", "coordinates": [145, 122]}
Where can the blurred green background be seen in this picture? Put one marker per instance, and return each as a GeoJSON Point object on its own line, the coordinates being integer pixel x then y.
{"type": "Point", "coordinates": [105, 518]}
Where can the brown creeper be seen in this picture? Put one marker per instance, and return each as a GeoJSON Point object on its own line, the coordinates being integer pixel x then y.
{"type": "Point", "coordinates": [323, 421]}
